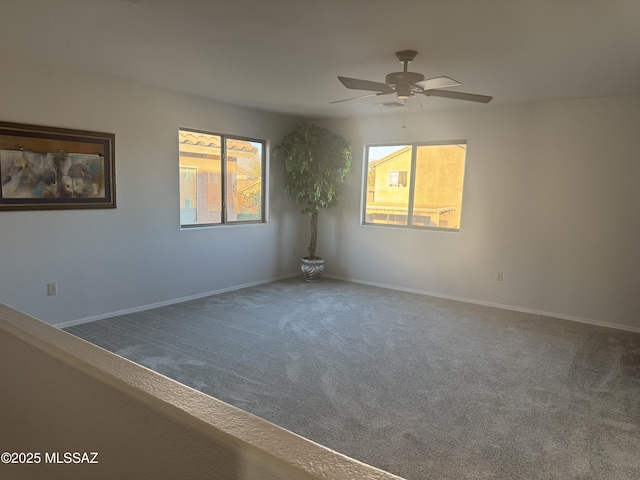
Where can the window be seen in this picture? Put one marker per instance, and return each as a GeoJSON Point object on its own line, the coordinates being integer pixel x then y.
{"type": "Point", "coordinates": [221, 179]}
{"type": "Point", "coordinates": [415, 185]}
{"type": "Point", "coordinates": [398, 178]}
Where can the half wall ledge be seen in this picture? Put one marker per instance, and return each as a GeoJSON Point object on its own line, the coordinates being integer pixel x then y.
{"type": "Point", "coordinates": [62, 394]}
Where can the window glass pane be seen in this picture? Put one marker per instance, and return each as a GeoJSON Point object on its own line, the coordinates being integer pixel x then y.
{"type": "Point", "coordinates": [402, 179]}
{"type": "Point", "coordinates": [393, 179]}
{"type": "Point", "coordinates": [388, 170]}
{"type": "Point", "coordinates": [437, 199]}
{"type": "Point", "coordinates": [200, 186]}
{"type": "Point", "coordinates": [244, 180]}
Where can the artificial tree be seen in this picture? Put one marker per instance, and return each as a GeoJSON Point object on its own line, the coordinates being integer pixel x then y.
{"type": "Point", "coordinates": [316, 161]}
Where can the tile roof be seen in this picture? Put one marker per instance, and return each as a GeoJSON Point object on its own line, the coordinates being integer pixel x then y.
{"type": "Point", "coordinates": [213, 141]}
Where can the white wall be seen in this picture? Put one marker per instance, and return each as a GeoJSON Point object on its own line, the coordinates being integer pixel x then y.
{"type": "Point", "coordinates": [106, 261]}
{"type": "Point", "coordinates": [550, 198]}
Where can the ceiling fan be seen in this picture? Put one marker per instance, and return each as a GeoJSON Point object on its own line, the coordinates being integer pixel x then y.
{"type": "Point", "coordinates": [407, 84]}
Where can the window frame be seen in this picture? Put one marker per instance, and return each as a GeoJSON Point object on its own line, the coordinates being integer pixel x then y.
{"type": "Point", "coordinates": [411, 184]}
{"type": "Point", "coordinates": [224, 187]}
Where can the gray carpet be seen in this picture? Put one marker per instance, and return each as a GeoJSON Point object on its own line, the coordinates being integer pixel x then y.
{"type": "Point", "coordinates": [422, 387]}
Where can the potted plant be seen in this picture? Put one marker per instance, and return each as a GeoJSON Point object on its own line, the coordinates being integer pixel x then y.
{"type": "Point", "coordinates": [316, 162]}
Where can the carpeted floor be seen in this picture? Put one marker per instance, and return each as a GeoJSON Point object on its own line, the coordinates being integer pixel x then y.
{"type": "Point", "coordinates": [422, 387]}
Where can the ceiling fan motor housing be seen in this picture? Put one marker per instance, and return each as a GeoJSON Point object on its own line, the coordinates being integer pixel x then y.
{"type": "Point", "coordinates": [402, 78]}
{"type": "Point", "coordinates": [403, 81]}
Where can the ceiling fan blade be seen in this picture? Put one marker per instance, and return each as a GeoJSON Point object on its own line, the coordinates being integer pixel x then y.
{"type": "Point", "coordinates": [472, 97]}
{"type": "Point", "coordinates": [437, 82]}
{"type": "Point", "coordinates": [357, 84]}
{"type": "Point", "coordinates": [355, 98]}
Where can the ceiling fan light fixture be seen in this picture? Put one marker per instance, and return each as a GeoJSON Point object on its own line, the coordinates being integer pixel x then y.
{"type": "Point", "coordinates": [403, 91]}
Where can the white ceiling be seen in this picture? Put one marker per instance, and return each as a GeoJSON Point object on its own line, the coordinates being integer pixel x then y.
{"type": "Point", "coordinates": [285, 55]}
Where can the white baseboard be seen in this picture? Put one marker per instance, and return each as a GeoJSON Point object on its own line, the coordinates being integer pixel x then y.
{"type": "Point", "coordinates": [572, 318]}
{"type": "Point", "coordinates": [141, 308]}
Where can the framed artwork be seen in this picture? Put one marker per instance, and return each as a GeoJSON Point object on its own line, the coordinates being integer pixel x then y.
{"type": "Point", "coordinates": [47, 168]}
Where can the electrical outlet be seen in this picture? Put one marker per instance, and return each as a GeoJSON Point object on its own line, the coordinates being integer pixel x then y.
{"type": "Point", "coordinates": [499, 277]}
{"type": "Point", "coordinates": [294, 252]}
{"type": "Point", "coordinates": [52, 289]}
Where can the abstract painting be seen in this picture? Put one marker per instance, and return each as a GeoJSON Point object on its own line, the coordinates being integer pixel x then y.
{"type": "Point", "coordinates": [55, 168]}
